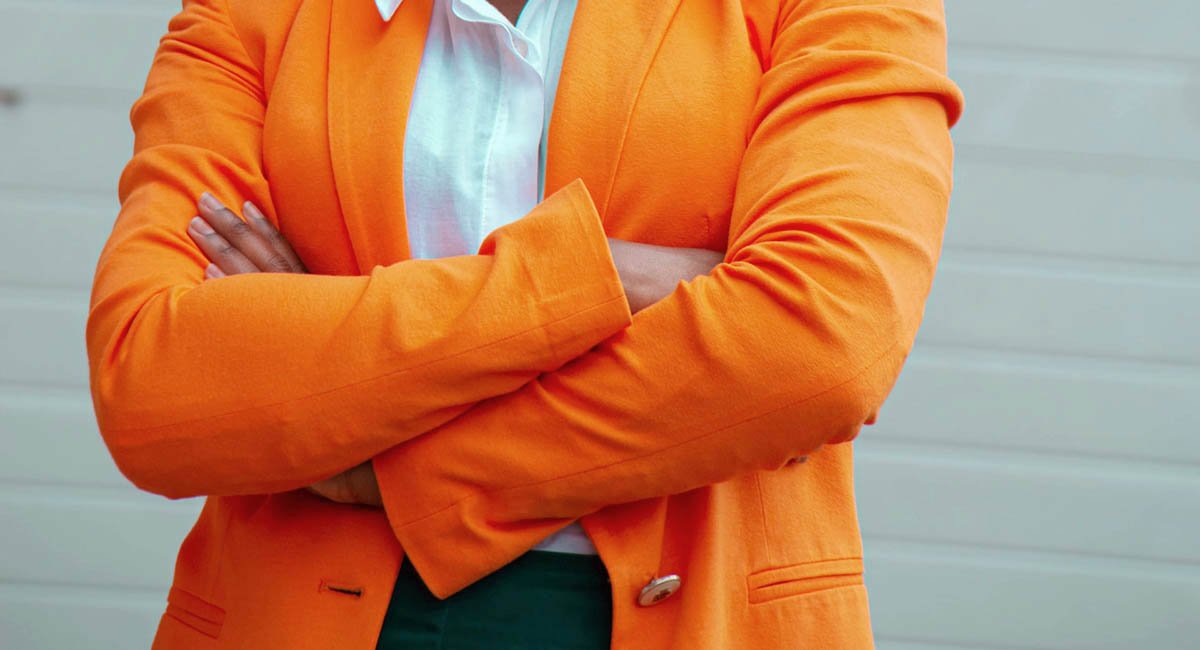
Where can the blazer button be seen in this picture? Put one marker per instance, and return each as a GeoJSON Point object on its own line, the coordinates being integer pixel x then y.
{"type": "Point", "coordinates": [797, 460]}
{"type": "Point", "coordinates": [659, 590]}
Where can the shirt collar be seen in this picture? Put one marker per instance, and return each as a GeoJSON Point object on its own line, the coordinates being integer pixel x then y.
{"type": "Point", "coordinates": [387, 8]}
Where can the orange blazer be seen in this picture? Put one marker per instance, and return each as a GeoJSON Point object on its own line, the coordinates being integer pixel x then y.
{"type": "Point", "coordinates": [505, 394]}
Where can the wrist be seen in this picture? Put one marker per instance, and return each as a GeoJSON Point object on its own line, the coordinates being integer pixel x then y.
{"type": "Point", "coordinates": [633, 271]}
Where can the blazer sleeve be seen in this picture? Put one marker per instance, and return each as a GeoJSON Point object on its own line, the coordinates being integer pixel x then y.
{"type": "Point", "coordinates": [267, 382]}
{"type": "Point", "coordinates": [792, 343]}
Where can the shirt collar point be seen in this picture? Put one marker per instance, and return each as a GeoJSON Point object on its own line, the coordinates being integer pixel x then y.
{"type": "Point", "coordinates": [387, 8]}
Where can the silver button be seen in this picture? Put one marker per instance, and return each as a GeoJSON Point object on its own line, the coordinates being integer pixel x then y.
{"type": "Point", "coordinates": [659, 590]}
{"type": "Point", "coordinates": [797, 460]}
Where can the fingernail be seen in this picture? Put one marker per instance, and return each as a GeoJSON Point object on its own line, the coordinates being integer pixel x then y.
{"type": "Point", "coordinates": [201, 226]}
{"type": "Point", "coordinates": [252, 210]}
{"type": "Point", "coordinates": [210, 202]}
{"type": "Point", "coordinates": [213, 271]}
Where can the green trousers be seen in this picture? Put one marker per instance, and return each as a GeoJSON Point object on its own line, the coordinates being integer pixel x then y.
{"type": "Point", "coordinates": [540, 601]}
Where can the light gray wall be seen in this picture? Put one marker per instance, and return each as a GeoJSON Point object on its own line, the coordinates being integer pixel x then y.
{"type": "Point", "coordinates": [1032, 482]}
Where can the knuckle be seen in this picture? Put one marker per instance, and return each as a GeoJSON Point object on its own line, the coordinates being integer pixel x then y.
{"type": "Point", "coordinates": [279, 263]}
{"type": "Point", "coordinates": [240, 229]}
{"type": "Point", "coordinates": [225, 249]}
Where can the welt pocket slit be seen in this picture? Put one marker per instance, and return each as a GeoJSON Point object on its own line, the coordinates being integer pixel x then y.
{"type": "Point", "coordinates": [195, 612]}
{"type": "Point", "coordinates": [807, 577]}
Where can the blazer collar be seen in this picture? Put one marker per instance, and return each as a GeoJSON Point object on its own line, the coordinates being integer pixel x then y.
{"type": "Point", "coordinates": [372, 71]}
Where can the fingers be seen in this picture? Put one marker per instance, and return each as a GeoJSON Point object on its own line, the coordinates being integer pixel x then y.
{"type": "Point", "coordinates": [364, 485]}
{"type": "Point", "coordinates": [235, 246]}
{"type": "Point", "coordinates": [224, 255]}
{"type": "Point", "coordinates": [354, 486]}
{"type": "Point", "coordinates": [258, 221]}
{"type": "Point", "coordinates": [239, 234]}
{"type": "Point", "coordinates": [335, 488]}
{"type": "Point", "coordinates": [213, 272]}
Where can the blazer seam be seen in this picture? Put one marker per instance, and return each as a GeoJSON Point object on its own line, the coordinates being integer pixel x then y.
{"type": "Point", "coordinates": [762, 515]}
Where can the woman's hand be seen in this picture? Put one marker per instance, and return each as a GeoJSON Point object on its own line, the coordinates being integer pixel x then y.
{"type": "Point", "coordinates": [235, 246]}
{"type": "Point", "coordinates": [356, 485]}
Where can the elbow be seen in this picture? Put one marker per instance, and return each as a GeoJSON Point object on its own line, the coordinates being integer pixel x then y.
{"type": "Point", "coordinates": [859, 399]}
{"type": "Point", "coordinates": [139, 459]}
{"type": "Point", "coordinates": [156, 475]}
{"type": "Point", "coordinates": [149, 462]}
{"type": "Point", "coordinates": [859, 342]}
{"type": "Point", "coordinates": [840, 387]}
{"type": "Point", "coordinates": [119, 401]}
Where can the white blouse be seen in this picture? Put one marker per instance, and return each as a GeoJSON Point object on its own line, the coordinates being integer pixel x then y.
{"type": "Point", "coordinates": [474, 146]}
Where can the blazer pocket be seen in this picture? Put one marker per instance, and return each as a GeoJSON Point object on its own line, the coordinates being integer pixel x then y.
{"type": "Point", "coordinates": [808, 577]}
{"type": "Point", "coordinates": [195, 612]}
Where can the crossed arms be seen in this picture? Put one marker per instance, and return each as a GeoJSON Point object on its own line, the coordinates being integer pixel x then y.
{"type": "Point", "coordinates": [251, 244]}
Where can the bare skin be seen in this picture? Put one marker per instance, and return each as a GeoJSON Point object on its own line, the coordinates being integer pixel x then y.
{"type": "Point", "coordinates": [510, 8]}
{"type": "Point", "coordinates": [234, 245]}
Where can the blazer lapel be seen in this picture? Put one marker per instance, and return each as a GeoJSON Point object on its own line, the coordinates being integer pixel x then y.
{"type": "Point", "coordinates": [372, 70]}
{"type": "Point", "coordinates": [609, 52]}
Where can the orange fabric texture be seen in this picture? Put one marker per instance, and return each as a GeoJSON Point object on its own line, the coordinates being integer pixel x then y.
{"type": "Point", "coordinates": [505, 394]}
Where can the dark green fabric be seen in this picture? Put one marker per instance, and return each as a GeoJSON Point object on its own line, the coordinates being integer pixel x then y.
{"type": "Point", "coordinates": [541, 601]}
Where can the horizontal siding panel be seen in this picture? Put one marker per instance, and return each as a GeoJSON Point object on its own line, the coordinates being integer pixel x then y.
{"type": "Point", "coordinates": [1054, 604]}
{"type": "Point", "coordinates": [1068, 406]}
{"type": "Point", "coordinates": [62, 618]}
{"type": "Point", "coordinates": [66, 144]}
{"type": "Point", "coordinates": [1025, 501]}
{"type": "Point", "coordinates": [1165, 28]}
{"type": "Point", "coordinates": [42, 340]}
{"type": "Point", "coordinates": [1140, 111]}
{"type": "Point", "coordinates": [58, 430]}
{"type": "Point", "coordinates": [1125, 214]}
{"type": "Point", "coordinates": [43, 32]}
{"type": "Point", "coordinates": [61, 238]}
{"type": "Point", "coordinates": [1057, 312]}
{"type": "Point", "coordinates": [131, 541]}
{"type": "Point", "coordinates": [887, 643]}
{"type": "Point", "coordinates": [891, 643]}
